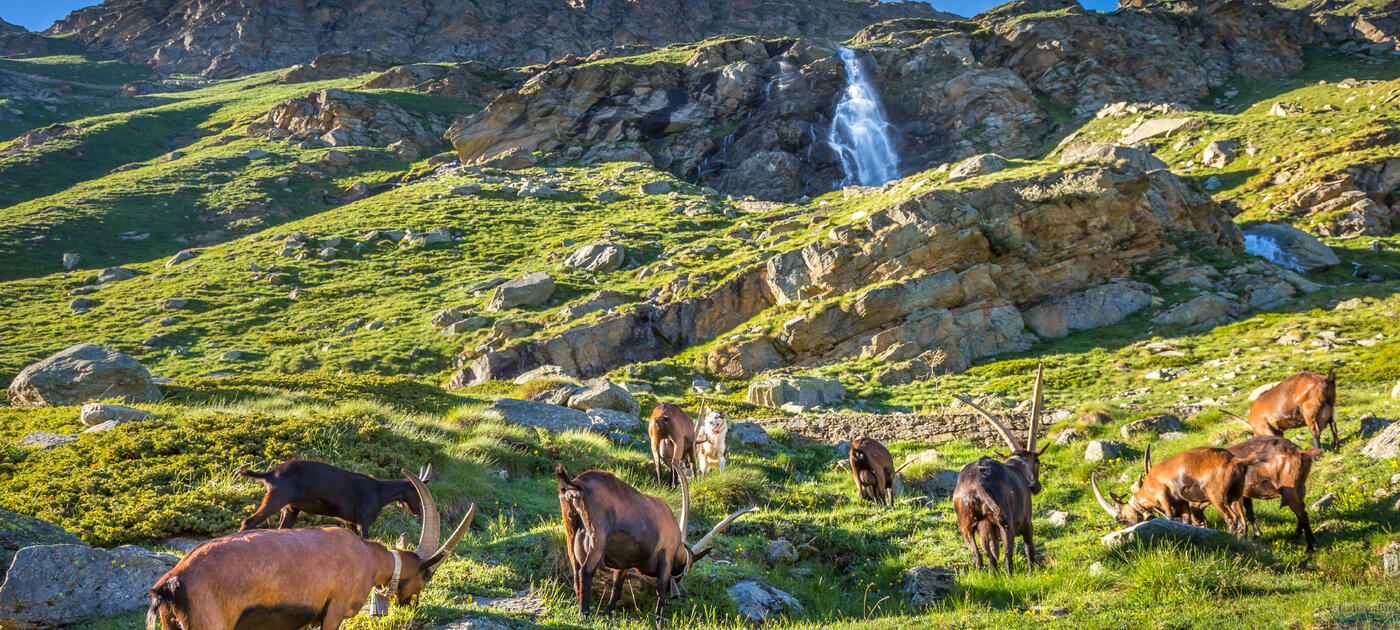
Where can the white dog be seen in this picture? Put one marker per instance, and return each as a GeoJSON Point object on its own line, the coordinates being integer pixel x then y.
{"type": "Point", "coordinates": [710, 444]}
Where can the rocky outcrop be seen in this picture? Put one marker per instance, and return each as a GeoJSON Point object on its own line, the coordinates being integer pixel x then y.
{"type": "Point", "coordinates": [340, 118]}
{"type": "Point", "coordinates": [18, 531]}
{"type": "Point", "coordinates": [800, 391]}
{"type": "Point", "coordinates": [179, 36]}
{"type": "Point", "coordinates": [1092, 308]}
{"type": "Point", "coordinates": [53, 586]}
{"type": "Point", "coordinates": [1290, 247]}
{"type": "Point", "coordinates": [473, 82]}
{"type": "Point", "coordinates": [81, 373]}
{"type": "Point", "coordinates": [941, 271]}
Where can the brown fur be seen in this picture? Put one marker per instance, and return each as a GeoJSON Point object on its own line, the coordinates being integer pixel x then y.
{"type": "Point", "coordinates": [873, 469]}
{"type": "Point", "coordinates": [1203, 474]}
{"type": "Point", "coordinates": [1282, 474]}
{"type": "Point", "coordinates": [1304, 399]}
{"type": "Point", "coordinates": [672, 434]}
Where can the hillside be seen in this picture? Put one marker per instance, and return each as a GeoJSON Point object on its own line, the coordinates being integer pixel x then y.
{"type": "Point", "coordinates": [355, 253]}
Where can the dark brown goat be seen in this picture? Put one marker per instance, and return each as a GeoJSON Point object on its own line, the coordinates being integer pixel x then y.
{"type": "Point", "coordinates": [301, 485]}
{"type": "Point", "coordinates": [287, 579]}
{"type": "Point", "coordinates": [873, 468]}
{"type": "Point", "coordinates": [1304, 399]}
{"type": "Point", "coordinates": [993, 499]}
{"type": "Point", "coordinates": [1203, 474]}
{"type": "Point", "coordinates": [672, 441]}
{"type": "Point", "coordinates": [1282, 474]}
{"type": "Point", "coordinates": [610, 525]}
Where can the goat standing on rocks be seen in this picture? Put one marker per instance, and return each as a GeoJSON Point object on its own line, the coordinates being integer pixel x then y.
{"type": "Point", "coordinates": [1304, 399]}
{"type": "Point", "coordinates": [993, 499]}
{"type": "Point", "coordinates": [712, 443]}
{"type": "Point", "coordinates": [301, 485]}
{"type": "Point", "coordinates": [672, 434]}
{"type": "Point", "coordinates": [873, 468]}
{"type": "Point", "coordinates": [295, 578]}
{"type": "Point", "coordinates": [609, 524]}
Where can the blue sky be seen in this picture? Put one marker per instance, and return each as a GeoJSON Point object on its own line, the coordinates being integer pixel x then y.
{"type": "Point", "coordinates": [37, 15]}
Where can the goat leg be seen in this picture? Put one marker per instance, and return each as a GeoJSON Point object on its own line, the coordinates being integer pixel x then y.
{"type": "Point", "coordinates": [1008, 539]}
{"type": "Point", "coordinates": [663, 583]}
{"type": "Point", "coordinates": [1028, 539]}
{"type": "Point", "coordinates": [1248, 504]}
{"type": "Point", "coordinates": [619, 576]}
{"type": "Point", "coordinates": [270, 505]}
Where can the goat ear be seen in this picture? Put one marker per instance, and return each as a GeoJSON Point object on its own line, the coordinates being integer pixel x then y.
{"type": "Point", "coordinates": [1042, 449]}
{"type": "Point", "coordinates": [703, 552]}
{"type": "Point", "coordinates": [403, 541]}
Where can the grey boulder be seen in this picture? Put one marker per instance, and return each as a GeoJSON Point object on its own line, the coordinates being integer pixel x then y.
{"type": "Point", "coordinates": [757, 601]}
{"type": "Point", "coordinates": [1158, 528]}
{"type": "Point", "coordinates": [603, 394]}
{"type": "Point", "coordinates": [94, 414]}
{"type": "Point", "coordinates": [81, 373]}
{"type": "Point", "coordinates": [552, 418]}
{"type": "Point", "coordinates": [52, 586]}
{"type": "Point", "coordinates": [600, 257]}
{"type": "Point", "coordinates": [531, 290]}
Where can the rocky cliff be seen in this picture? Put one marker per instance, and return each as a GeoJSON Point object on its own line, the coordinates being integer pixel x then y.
{"type": "Point", "coordinates": [223, 38]}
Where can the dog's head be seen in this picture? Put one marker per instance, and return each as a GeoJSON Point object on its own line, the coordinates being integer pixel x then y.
{"type": "Point", "coordinates": [714, 425]}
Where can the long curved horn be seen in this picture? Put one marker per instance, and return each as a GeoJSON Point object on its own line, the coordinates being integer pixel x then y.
{"type": "Point", "coordinates": [456, 537]}
{"type": "Point", "coordinates": [996, 424]}
{"type": "Point", "coordinates": [1147, 460]}
{"type": "Point", "coordinates": [903, 466]}
{"type": "Point", "coordinates": [1035, 409]}
{"type": "Point", "coordinates": [1112, 508]}
{"type": "Point", "coordinates": [704, 541]}
{"type": "Point", "coordinates": [432, 526]}
{"type": "Point", "coordinates": [685, 502]}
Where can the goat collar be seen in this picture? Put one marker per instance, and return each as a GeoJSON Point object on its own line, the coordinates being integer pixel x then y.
{"type": "Point", "coordinates": [382, 594]}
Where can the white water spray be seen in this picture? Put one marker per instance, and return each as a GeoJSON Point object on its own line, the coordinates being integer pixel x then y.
{"type": "Point", "coordinates": [860, 133]}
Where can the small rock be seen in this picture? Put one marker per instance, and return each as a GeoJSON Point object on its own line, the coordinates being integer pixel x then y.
{"type": "Point", "coordinates": [43, 440]}
{"type": "Point", "coordinates": [925, 585]}
{"type": "Point", "coordinates": [179, 257]}
{"type": "Point", "coordinates": [1060, 518]}
{"type": "Point", "coordinates": [757, 601]}
{"type": "Point", "coordinates": [750, 434]}
{"type": "Point", "coordinates": [658, 187]}
{"type": "Point", "coordinates": [781, 552]}
{"type": "Point", "coordinates": [93, 414]}
{"type": "Point", "coordinates": [1102, 450]}
{"type": "Point", "coordinates": [446, 317]}
{"type": "Point", "coordinates": [71, 261]}
{"type": "Point", "coordinates": [1164, 423]}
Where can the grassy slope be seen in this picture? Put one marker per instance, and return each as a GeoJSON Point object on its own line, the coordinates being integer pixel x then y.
{"type": "Point", "coordinates": [858, 552]}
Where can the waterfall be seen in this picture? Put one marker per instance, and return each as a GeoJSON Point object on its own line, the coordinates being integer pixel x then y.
{"type": "Point", "coordinates": [860, 133]}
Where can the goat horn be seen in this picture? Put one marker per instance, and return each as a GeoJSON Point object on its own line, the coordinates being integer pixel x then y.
{"type": "Point", "coordinates": [456, 537]}
{"type": "Point", "coordinates": [996, 424]}
{"type": "Point", "coordinates": [685, 498]}
{"type": "Point", "coordinates": [703, 543]}
{"type": "Point", "coordinates": [1147, 460]}
{"type": "Point", "coordinates": [1035, 408]}
{"type": "Point", "coordinates": [903, 466]}
{"type": "Point", "coordinates": [1112, 508]}
{"type": "Point", "coordinates": [425, 472]}
{"type": "Point", "coordinates": [432, 526]}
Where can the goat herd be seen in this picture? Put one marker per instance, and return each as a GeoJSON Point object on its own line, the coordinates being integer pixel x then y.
{"type": "Point", "coordinates": [295, 578]}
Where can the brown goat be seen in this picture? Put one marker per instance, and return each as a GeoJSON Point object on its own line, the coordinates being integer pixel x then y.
{"type": "Point", "coordinates": [672, 434]}
{"type": "Point", "coordinates": [301, 485]}
{"type": "Point", "coordinates": [1203, 474]}
{"type": "Point", "coordinates": [993, 499]}
{"type": "Point", "coordinates": [287, 579]}
{"type": "Point", "coordinates": [873, 469]}
{"type": "Point", "coordinates": [1282, 474]}
{"type": "Point", "coordinates": [609, 524]}
{"type": "Point", "coordinates": [1304, 399]}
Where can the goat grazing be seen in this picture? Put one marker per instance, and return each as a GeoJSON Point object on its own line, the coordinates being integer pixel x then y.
{"type": "Point", "coordinates": [873, 468]}
{"type": "Point", "coordinates": [609, 524]}
{"type": "Point", "coordinates": [1201, 475]}
{"type": "Point", "coordinates": [672, 434]}
{"type": "Point", "coordinates": [1304, 399]}
{"type": "Point", "coordinates": [300, 485]}
{"type": "Point", "coordinates": [1282, 474]}
{"type": "Point", "coordinates": [713, 441]}
{"type": "Point", "coordinates": [993, 499]}
{"type": "Point", "coordinates": [289, 579]}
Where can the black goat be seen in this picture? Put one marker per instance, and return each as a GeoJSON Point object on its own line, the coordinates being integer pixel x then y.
{"type": "Point", "coordinates": [302, 485]}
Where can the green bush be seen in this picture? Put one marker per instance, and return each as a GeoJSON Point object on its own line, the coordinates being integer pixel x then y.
{"type": "Point", "coordinates": [314, 387]}
{"type": "Point", "coordinates": [149, 481]}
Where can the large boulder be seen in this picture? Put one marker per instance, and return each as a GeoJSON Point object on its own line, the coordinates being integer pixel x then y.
{"type": "Point", "coordinates": [939, 484]}
{"type": "Point", "coordinates": [1160, 128]}
{"type": "Point", "coordinates": [1103, 450]}
{"type": "Point", "coordinates": [1206, 309]}
{"type": "Point", "coordinates": [53, 586]}
{"type": "Point", "coordinates": [18, 531]}
{"type": "Point", "coordinates": [802, 391]}
{"type": "Point", "coordinates": [1158, 528]}
{"type": "Point", "coordinates": [81, 373]}
{"type": "Point", "coordinates": [1098, 306]}
{"type": "Point", "coordinates": [531, 290]}
{"type": "Point", "coordinates": [925, 585]}
{"type": "Point", "coordinates": [1156, 425]}
{"type": "Point", "coordinates": [750, 434]}
{"type": "Point", "coordinates": [1386, 444]}
{"type": "Point", "coordinates": [757, 601]}
{"type": "Point", "coordinates": [552, 418]}
{"type": "Point", "coordinates": [977, 165]}
{"type": "Point", "coordinates": [603, 394]}
{"type": "Point", "coordinates": [599, 257]}
{"type": "Point", "coordinates": [1290, 247]}
{"type": "Point", "coordinates": [1108, 152]}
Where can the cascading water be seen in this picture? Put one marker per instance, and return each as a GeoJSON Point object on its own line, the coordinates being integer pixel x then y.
{"type": "Point", "coordinates": [860, 133]}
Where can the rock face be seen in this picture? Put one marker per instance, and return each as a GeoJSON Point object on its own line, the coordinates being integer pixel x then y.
{"type": "Point", "coordinates": [340, 118]}
{"type": "Point", "coordinates": [757, 601]}
{"type": "Point", "coordinates": [1092, 308]}
{"type": "Point", "coordinates": [603, 257]}
{"type": "Point", "coordinates": [1385, 445]}
{"type": "Point", "coordinates": [81, 373]}
{"type": "Point", "coordinates": [1103, 151]}
{"type": "Point", "coordinates": [18, 531]}
{"type": "Point", "coordinates": [552, 418]}
{"type": "Point", "coordinates": [925, 585]}
{"type": "Point", "coordinates": [958, 270]}
{"type": "Point", "coordinates": [52, 586]}
{"type": "Point", "coordinates": [803, 391]}
{"type": "Point", "coordinates": [177, 36]}
{"type": "Point", "coordinates": [1290, 247]}
{"type": "Point", "coordinates": [1158, 528]}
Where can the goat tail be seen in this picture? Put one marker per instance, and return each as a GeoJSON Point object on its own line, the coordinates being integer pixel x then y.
{"type": "Point", "coordinates": [262, 476]}
{"type": "Point", "coordinates": [563, 475]}
{"type": "Point", "coordinates": [1313, 453]}
{"type": "Point", "coordinates": [162, 613]}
